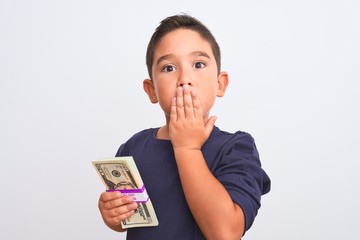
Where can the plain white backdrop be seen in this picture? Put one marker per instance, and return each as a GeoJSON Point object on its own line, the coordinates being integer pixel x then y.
{"type": "Point", "coordinates": [71, 91]}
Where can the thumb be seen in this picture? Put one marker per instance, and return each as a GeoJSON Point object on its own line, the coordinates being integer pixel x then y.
{"type": "Point", "coordinates": [209, 125]}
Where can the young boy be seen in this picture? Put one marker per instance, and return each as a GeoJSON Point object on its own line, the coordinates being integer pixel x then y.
{"type": "Point", "coordinates": [204, 183]}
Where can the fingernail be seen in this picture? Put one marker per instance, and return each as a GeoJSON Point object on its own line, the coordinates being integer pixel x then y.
{"type": "Point", "coordinates": [129, 199]}
{"type": "Point", "coordinates": [134, 205]}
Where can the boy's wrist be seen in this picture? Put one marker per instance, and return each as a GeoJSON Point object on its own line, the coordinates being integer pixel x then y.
{"type": "Point", "coordinates": [186, 149]}
{"type": "Point", "coordinates": [181, 152]}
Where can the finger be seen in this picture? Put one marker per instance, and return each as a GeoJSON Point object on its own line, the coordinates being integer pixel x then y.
{"type": "Point", "coordinates": [124, 216]}
{"type": "Point", "coordinates": [196, 106]}
{"type": "Point", "coordinates": [118, 202]}
{"type": "Point", "coordinates": [116, 220]}
{"type": "Point", "coordinates": [108, 196]}
{"type": "Point", "coordinates": [173, 115]}
{"type": "Point", "coordinates": [179, 103]}
{"type": "Point", "coordinates": [188, 104]}
{"type": "Point", "coordinates": [123, 209]}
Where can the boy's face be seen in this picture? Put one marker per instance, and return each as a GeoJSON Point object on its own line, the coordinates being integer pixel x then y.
{"type": "Point", "coordinates": [184, 57]}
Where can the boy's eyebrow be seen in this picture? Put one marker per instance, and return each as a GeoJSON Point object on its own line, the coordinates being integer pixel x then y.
{"type": "Point", "coordinates": [195, 53]}
{"type": "Point", "coordinates": [163, 58]}
{"type": "Point", "coordinates": [201, 54]}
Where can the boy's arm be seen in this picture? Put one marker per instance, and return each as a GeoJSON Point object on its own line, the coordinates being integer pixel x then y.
{"type": "Point", "coordinates": [211, 205]}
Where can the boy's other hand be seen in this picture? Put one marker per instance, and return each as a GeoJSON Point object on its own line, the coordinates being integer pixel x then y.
{"type": "Point", "coordinates": [114, 208]}
{"type": "Point", "coordinates": [187, 129]}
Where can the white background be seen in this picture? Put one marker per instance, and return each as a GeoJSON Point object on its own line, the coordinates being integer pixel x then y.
{"type": "Point", "coordinates": [71, 91]}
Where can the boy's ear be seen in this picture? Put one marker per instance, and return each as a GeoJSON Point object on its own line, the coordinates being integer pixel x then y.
{"type": "Point", "coordinates": [223, 82]}
{"type": "Point", "coordinates": [149, 88]}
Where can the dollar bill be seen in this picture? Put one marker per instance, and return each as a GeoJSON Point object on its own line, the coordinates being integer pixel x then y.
{"type": "Point", "coordinates": [121, 174]}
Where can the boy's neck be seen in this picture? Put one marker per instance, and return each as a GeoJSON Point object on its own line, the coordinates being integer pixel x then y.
{"type": "Point", "coordinates": [163, 133]}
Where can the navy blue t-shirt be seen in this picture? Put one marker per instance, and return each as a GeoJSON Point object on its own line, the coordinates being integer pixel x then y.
{"type": "Point", "coordinates": [231, 157]}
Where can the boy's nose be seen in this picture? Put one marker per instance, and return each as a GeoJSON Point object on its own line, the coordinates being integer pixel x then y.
{"type": "Point", "coordinates": [182, 84]}
{"type": "Point", "coordinates": [183, 80]}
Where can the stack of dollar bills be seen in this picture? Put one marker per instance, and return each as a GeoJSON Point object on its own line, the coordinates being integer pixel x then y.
{"type": "Point", "coordinates": [121, 174]}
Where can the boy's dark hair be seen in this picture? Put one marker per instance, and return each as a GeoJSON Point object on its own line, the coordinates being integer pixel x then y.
{"type": "Point", "coordinates": [175, 22]}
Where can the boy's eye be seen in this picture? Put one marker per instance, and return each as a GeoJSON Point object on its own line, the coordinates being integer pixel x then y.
{"type": "Point", "coordinates": [199, 65]}
{"type": "Point", "coordinates": [168, 68]}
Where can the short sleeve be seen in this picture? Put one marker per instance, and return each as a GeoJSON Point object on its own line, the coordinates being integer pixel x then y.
{"type": "Point", "coordinates": [241, 174]}
{"type": "Point", "coordinates": [120, 151]}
